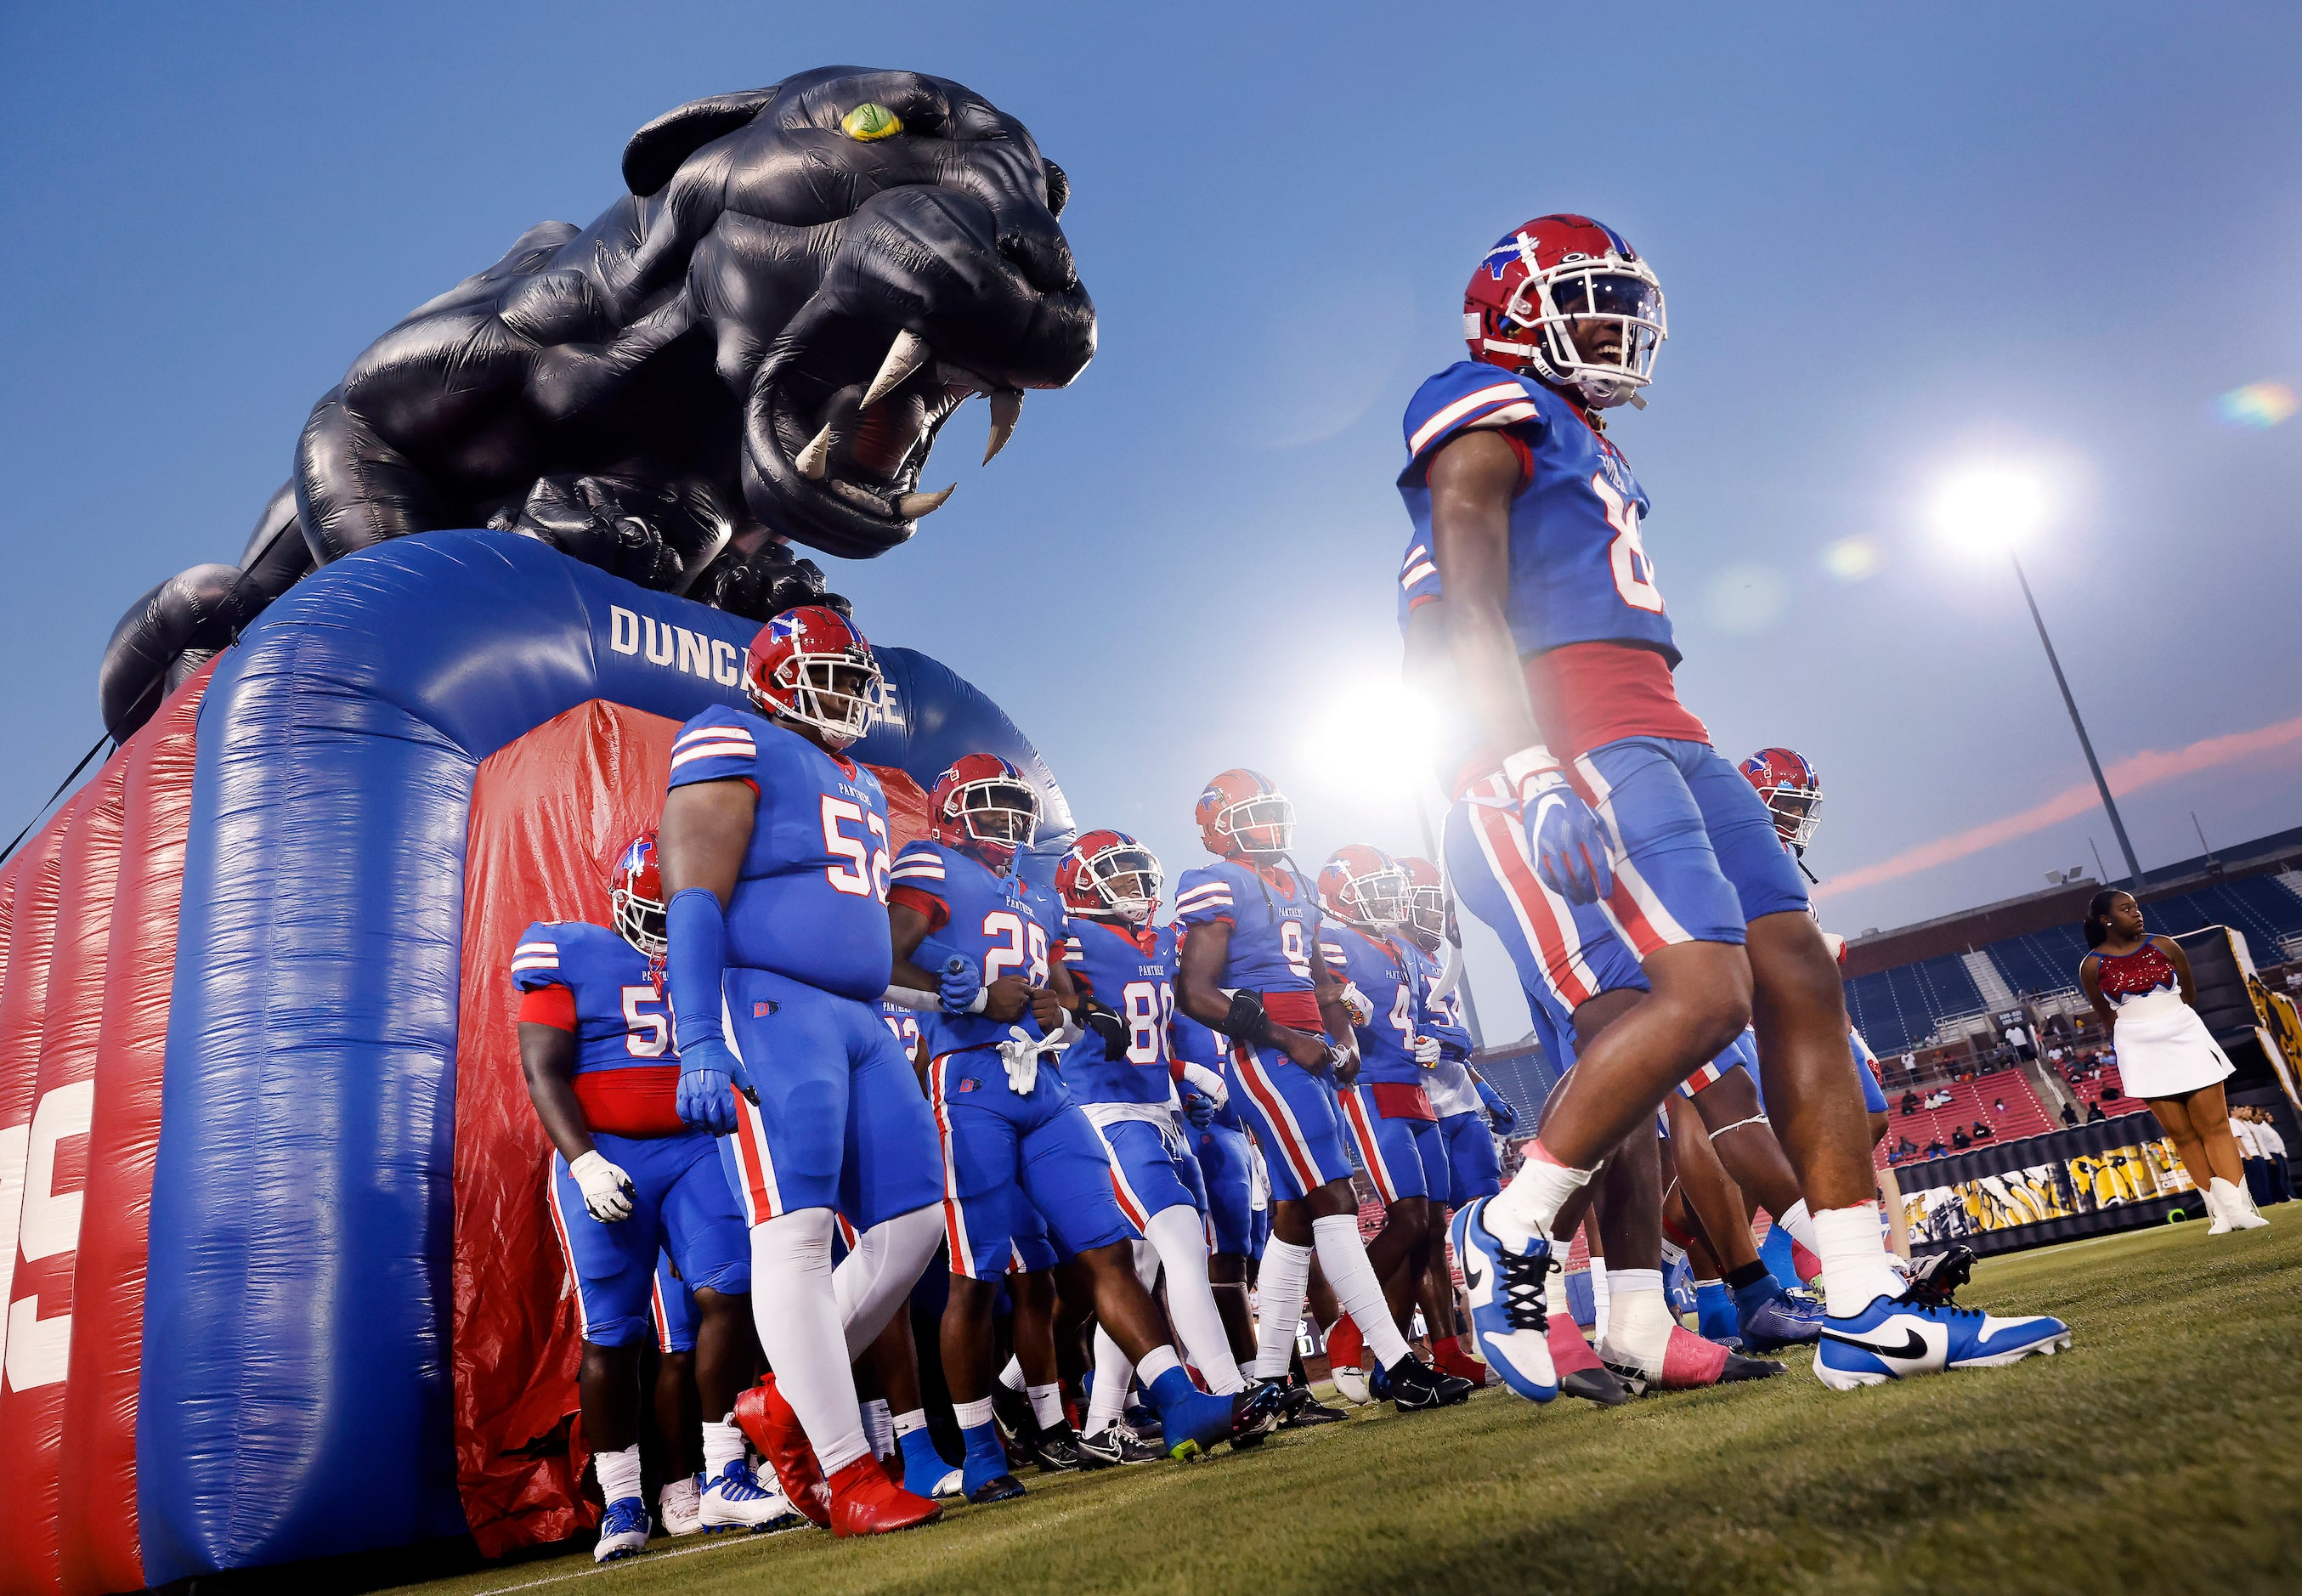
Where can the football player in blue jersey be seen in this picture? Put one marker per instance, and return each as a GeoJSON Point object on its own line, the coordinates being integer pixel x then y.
{"type": "Point", "coordinates": [1471, 1113]}
{"type": "Point", "coordinates": [1529, 518]}
{"type": "Point", "coordinates": [678, 1407]}
{"type": "Point", "coordinates": [630, 1181]}
{"type": "Point", "coordinates": [1385, 1109]}
{"type": "Point", "coordinates": [774, 851]}
{"type": "Point", "coordinates": [1251, 968]}
{"type": "Point", "coordinates": [966, 931]}
{"type": "Point", "coordinates": [1123, 1079]}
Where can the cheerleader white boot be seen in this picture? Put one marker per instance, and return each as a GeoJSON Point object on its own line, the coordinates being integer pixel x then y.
{"type": "Point", "coordinates": [2221, 1227]}
{"type": "Point", "coordinates": [2234, 1207]}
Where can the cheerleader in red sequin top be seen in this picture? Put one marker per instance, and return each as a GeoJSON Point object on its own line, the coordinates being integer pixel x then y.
{"type": "Point", "coordinates": [2142, 988]}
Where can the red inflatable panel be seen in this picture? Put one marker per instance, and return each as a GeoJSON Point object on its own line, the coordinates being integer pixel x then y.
{"type": "Point", "coordinates": [96, 1495]}
{"type": "Point", "coordinates": [55, 1184]}
{"type": "Point", "coordinates": [23, 1010]}
{"type": "Point", "coordinates": [551, 813]}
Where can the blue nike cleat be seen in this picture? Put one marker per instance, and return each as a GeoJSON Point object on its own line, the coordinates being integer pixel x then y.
{"type": "Point", "coordinates": [1898, 1336]}
{"type": "Point", "coordinates": [1507, 1310]}
{"type": "Point", "coordinates": [623, 1531]}
{"type": "Point", "coordinates": [1192, 1420]}
{"type": "Point", "coordinates": [736, 1498]}
{"type": "Point", "coordinates": [1771, 1318]}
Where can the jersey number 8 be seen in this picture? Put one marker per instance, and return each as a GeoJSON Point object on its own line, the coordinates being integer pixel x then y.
{"type": "Point", "coordinates": [1634, 570]}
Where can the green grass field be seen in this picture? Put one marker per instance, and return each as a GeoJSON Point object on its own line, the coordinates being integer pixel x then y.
{"type": "Point", "coordinates": [2163, 1452]}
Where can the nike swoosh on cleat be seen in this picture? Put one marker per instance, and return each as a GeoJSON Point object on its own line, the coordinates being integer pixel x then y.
{"type": "Point", "coordinates": [1472, 1277]}
{"type": "Point", "coordinates": [1914, 1345]}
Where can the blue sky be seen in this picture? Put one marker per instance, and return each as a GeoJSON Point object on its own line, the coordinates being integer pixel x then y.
{"type": "Point", "coordinates": [1893, 240]}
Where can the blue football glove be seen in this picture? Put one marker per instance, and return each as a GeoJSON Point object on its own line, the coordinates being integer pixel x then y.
{"type": "Point", "coordinates": [1200, 1111]}
{"type": "Point", "coordinates": [1570, 846]}
{"type": "Point", "coordinates": [1500, 1114]}
{"type": "Point", "coordinates": [710, 1075]}
{"type": "Point", "coordinates": [962, 986]}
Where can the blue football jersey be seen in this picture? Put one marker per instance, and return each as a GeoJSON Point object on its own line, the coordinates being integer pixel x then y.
{"type": "Point", "coordinates": [1131, 972]}
{"type": "Point", "coordinates": [905, 1023]}
{"type": "Point", "coordinates": [1578, 570]}
{"type": "Point", "coordinates": [1273, 917]}
{"type": "Point", "coordinates": [622, 1020]}
{"type": "Point", "coordinates": [1192, 1043]}
{"type": "Point", "coordinates": [976, 913]}
{"type": "Point", "coordinates": [1376, 965]}
{"type": "Point", "coordinates": [810, 901]}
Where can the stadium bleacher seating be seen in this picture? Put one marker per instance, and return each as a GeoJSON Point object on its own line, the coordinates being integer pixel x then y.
{"type": "Point", "coordinates": [1897, 1008]}
{"type": "Point", "coordinates": [2044, 960]}
{"type": "Point", "coordinates": [2090, 1091]}
{"type": "Point", "coordinates": [1970, 1100]}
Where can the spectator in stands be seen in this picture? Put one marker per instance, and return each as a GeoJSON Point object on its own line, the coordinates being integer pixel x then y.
{"type": "Point", "coordinates": [2019, 1040]}
{"type": "Point", "coordinates": [1960, 1140]}
{"type": "Point", "coordinates": [1935, 1150]}
{"type": "Point", "coordinates": [2069, 1115]}
{"type": "Point", "coordinates": [2095, 1113]}
{"type": "Point", "coordinates": [1998, 1106]}
{"type": "Point", "coordinates": [1904, 1147]}
{"type": "Point", "coordinates": [1909, 1103]}
{"type": "Point", "coordinates": [1982, 1131]}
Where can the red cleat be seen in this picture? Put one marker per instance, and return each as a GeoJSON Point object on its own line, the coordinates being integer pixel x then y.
{"type": "Point", "coordinates": [1448, 1355]}
{"type": "Point", "coordinates": [865, 1502]}
{"type": "Point", "coordinates": [768, 1424]}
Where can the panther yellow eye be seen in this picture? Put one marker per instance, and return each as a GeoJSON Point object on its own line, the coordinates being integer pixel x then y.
{"type": "Point", "coordinates": [869, 121]}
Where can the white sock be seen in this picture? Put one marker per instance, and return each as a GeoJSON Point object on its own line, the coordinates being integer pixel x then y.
{"type": "Point", "coordinates": [1854, 1272]}
{"type": "Point", "coordinates": [1528, 1207]}
{"type": "Point", "coordinates": [1181, 1244]}
{"type": "Point", "coordinates": [1799, 1224]}
{"type": "Point", "coordinates": [723, 1444]}
{"type": "Point", "coordinates": [1598, 1297]}
{"type": "Point", "coordinates": [1047, 1405]}
{"type": "Point", "coordinates": [972, 1416]}
{"type": "Point", "coordinates": [1284, 1281]}
{"type": "Point", "coordinates": [798, 1321]}
{"type": "Point", "coordinates": [880, 1426]}
{"type": "Point", "coordinates": [1112, 1372]}
{"type": "Point", "coordinates": [879, 1272]}
{"type": "Point", "coordinates": [1638, 1321]}
{"type": "Point", "coordinates": [619, 1473]}
{"type": "Point", "coordinates": [1012, 1376]}
{"type": "Point", "coordinates": [905, 1423]}
{"type": "Point", "coordinates": [1342, 1257]}
{"type": "Point", "coordinates": [1156, 1363]}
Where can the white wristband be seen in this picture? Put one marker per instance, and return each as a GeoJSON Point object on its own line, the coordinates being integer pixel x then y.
{"type": "Point", "coordinates": [912, 998]}
{"type": "Point", "coordinates": [980, 1001]}
{"type": "Point", "coordinates": [1528, 763]}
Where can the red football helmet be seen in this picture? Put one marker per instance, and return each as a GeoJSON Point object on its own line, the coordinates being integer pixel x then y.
{"type": "Point", "coordinates": [1363, 886]}
{"type": "Point", "coordinates": [1241, 815]}
{"type": "Point", "coordinates": [1426, 901]}
{"type": "Point", "coordinates": [635, 896]}
{"type": "Point", "coordinates": [985, 806]}
{"type": "Point", "coordinates": [1791, 791]}
{"type": "Point", "coordinates": [1536, 285]}
{"type": "Point", "coordinates": [810, 666]}
{"type": "Point", "coordinates": [1108, 874]}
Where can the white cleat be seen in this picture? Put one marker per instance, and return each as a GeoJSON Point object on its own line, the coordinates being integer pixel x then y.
{"type": "Point", "coordinates": [679, 1508]}
{"type": "Point", "coordinates": [734, 1500]}
{"type": "Point", "coordinates": [951, 1487]}
{"type": "Point", "coordinates": [623, 1531]}
{"type": "Point", "coordinates": [1896, 1338]}
{"type": "Point", "coordinates": [1350, 1384]}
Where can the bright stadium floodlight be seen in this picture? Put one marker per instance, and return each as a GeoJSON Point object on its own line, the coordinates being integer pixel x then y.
{"type": "Point", "coordinates": [1997, 505]}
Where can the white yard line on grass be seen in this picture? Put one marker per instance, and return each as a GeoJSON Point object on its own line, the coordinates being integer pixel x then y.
{"type": "Point", "coordinates": [648, 1561]}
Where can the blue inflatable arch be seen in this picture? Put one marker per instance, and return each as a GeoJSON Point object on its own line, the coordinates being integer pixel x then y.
{"type": "Point", "coordinates": [295, 1400]}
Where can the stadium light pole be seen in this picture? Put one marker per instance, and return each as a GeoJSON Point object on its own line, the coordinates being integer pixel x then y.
{"type": "Point", "coordinates": [1996, 507]}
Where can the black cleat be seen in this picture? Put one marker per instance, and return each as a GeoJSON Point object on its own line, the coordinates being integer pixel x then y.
{"type": "Point", "coordinates": [999, 1488]}
{"type": "Point", "coordinates": [1011, 1409]}
{"type": "Point", "coordinates": [1935, 1279]}
{"type": "Point", "coordinates": [1056, 1451]}
{"type": "Point", "coordinates": [1255, 1412]}
{"type": "Point", "coordinates": [1739, 1367]}
{"type": "Point", "coordinates": [1298, 1409]}
{"type": "Point", "coordinates": [1413, 1386]}
{"type": "Point", "coordinates": [1602, 1386]}
{"type": "Point", "coordinates": [1116, 1444]}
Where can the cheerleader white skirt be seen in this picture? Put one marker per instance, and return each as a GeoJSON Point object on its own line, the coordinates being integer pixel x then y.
{"type": "Point", "coordinates": [2164, 1049]}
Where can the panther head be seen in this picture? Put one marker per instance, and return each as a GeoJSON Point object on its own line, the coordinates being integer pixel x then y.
{"type": "Point", "coordinates": [869, 249]}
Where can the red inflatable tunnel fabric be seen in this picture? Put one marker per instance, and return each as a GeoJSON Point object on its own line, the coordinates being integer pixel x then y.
{"type": "Point", "coordinates": [96, 1506]}
{"type": "Point", "coordinates": [56, 1182]}
{"type": "Point", "coordinates": [550, 812]}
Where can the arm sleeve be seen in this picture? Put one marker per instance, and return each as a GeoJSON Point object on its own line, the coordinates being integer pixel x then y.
{"type": "Point", "coordinates": [1202, 896]}
{"type": "Point", "coordinates": [695, 965]}
{"type": "Point", "coordinates": [554, 1006]}
{"type": "Point", "coordinates": [536, 960]}
{"type": "Point", "coordinates": [717, 745]}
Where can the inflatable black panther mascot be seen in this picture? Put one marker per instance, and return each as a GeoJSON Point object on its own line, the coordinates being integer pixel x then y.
{"type": "Point", "coordinates": [756, 345]}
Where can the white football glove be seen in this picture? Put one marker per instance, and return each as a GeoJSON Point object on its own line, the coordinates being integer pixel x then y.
{"type": "Point", "coordinates": [1020, 1056]}
{"type": "Point", "coordinates": [608, 1192]}
{"type": "Point", "coordinates": [1356, 1003]}
{"type": "Point", "coordinates": [1207, 1084]}
{"type": "Point", "coordinates": [1426, 1052]}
